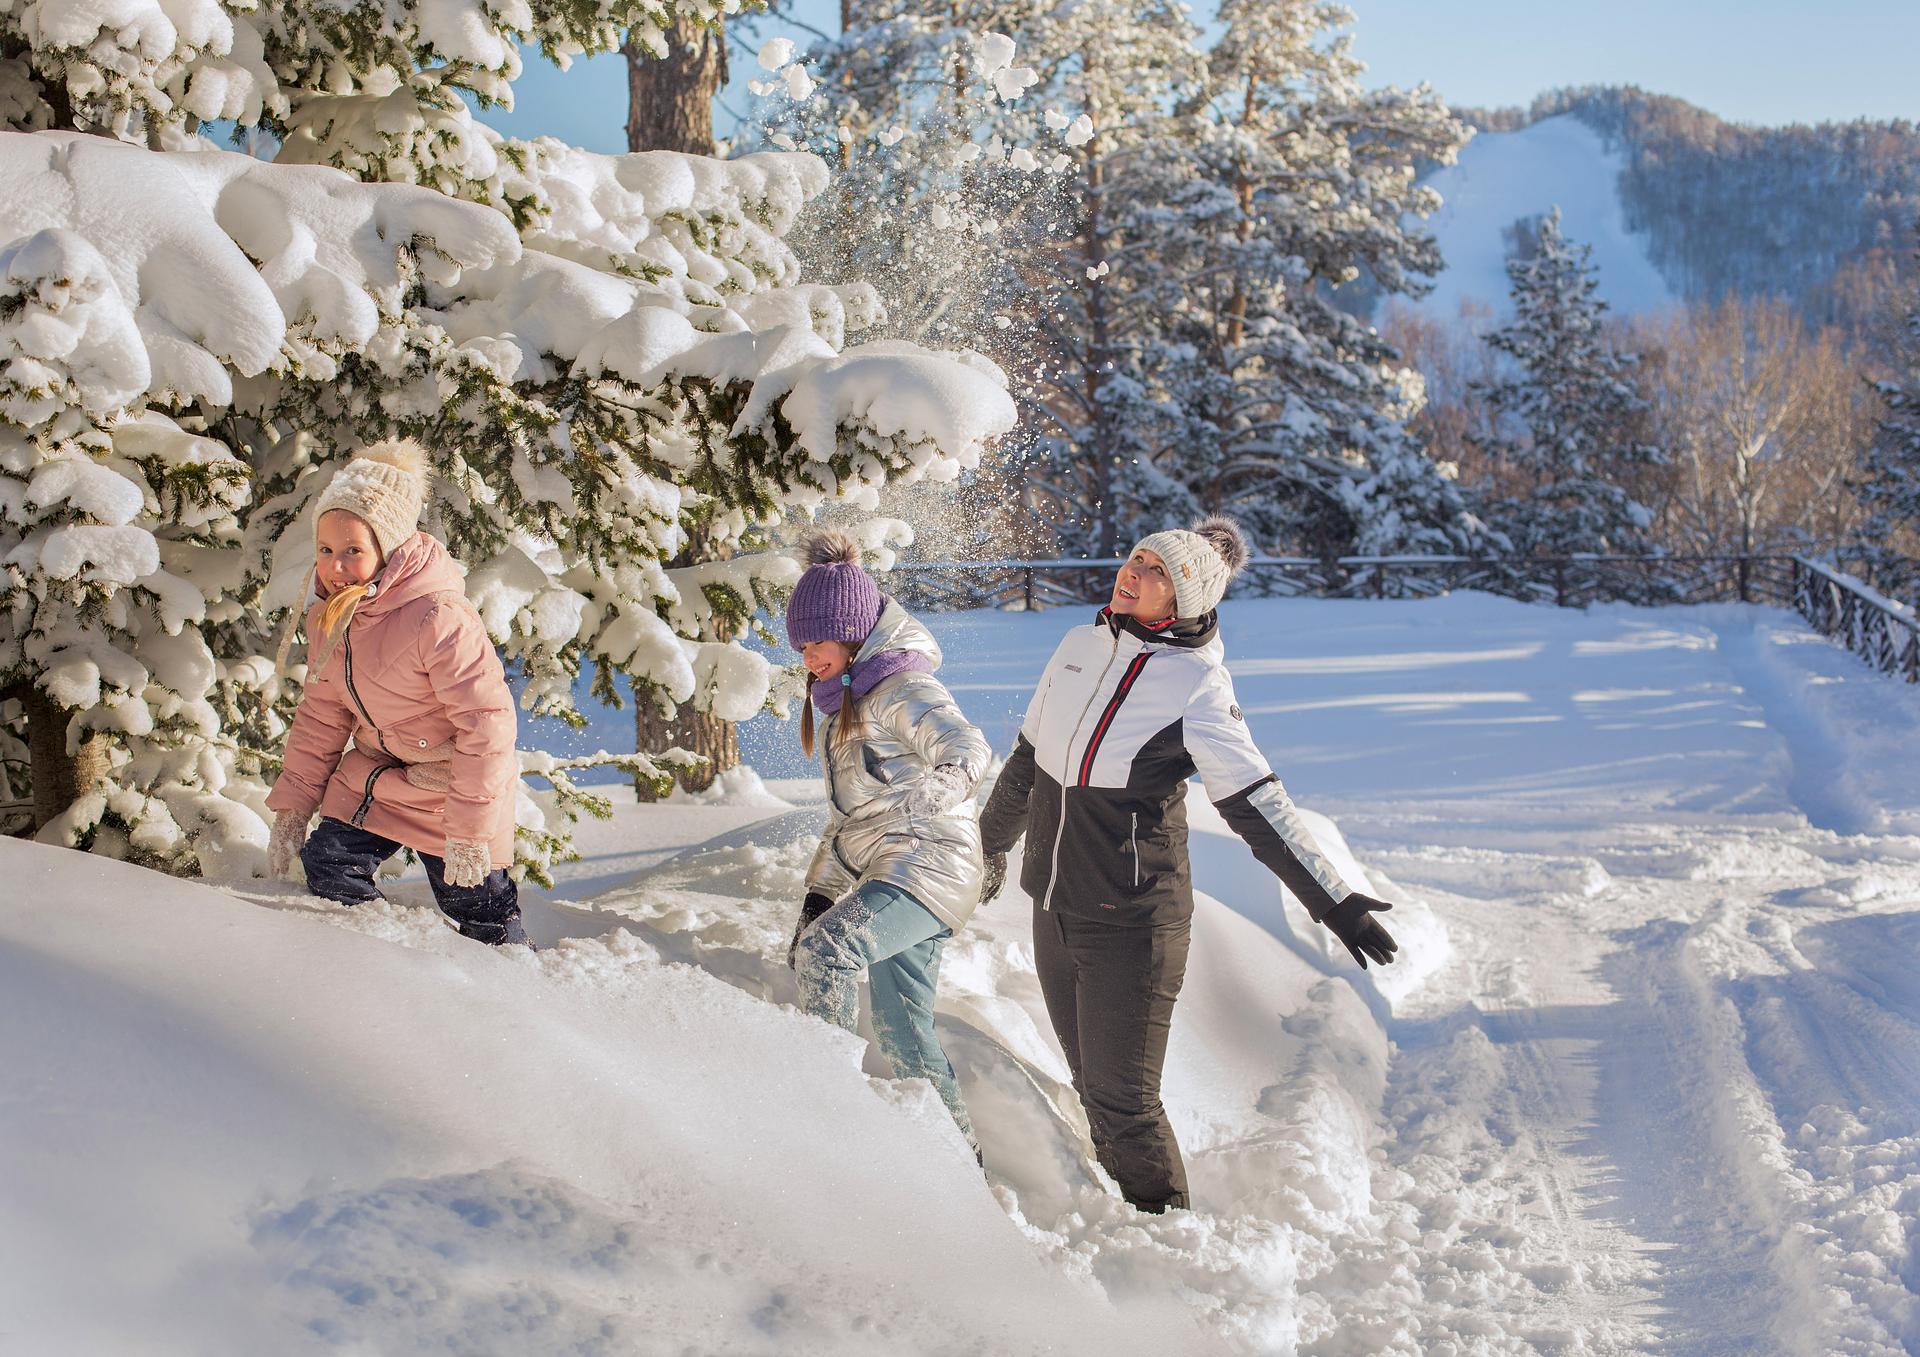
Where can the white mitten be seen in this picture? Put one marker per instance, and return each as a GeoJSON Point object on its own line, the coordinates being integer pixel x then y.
{"type": "Point", "coordinates": [467, 862]}
{"type": "Point", "coordinates": [940, 790]}
{"type": "Point", "coordinates": [289, 833]}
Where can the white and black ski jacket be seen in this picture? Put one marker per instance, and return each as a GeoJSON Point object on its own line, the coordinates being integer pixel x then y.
{"type": "Point", "coordinates": [1124, 715]}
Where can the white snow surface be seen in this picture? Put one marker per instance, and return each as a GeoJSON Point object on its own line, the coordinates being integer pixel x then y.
{"type": "Point", "coordinates": [1501, 176]}
{"type": "Point", "coordinates": [1647, 1078]}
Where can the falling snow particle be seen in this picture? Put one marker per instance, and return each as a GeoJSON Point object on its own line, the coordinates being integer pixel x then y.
{"type": "Point", "coordinates": [996, 53]}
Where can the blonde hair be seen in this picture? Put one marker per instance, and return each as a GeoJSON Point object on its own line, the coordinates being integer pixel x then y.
{"type": "Point", "coordinates": [337, 611]}
{"type": "Point", "coordinates": [335, 614]}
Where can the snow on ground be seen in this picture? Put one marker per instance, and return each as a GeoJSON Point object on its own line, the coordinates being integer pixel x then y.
{"type": "Point", "coordinates": [1647, 1079]}
{"type": "Point", "coordinates": [1502, 176]}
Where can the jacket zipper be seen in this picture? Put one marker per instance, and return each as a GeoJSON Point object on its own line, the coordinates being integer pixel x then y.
{"type": "Point", "coordinates": [366, 801]}
{"type": "Point", "coordinates": [1060, 829]}
{"type": "Point", "coordinates": [1133, 841]}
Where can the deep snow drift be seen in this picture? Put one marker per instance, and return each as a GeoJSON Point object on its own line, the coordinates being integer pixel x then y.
{"type": "Point", "coordinates": [1647, 1080]}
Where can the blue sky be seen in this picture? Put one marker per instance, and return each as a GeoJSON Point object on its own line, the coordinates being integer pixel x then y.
{"type": "Point", "coordinates": [1761, 61]}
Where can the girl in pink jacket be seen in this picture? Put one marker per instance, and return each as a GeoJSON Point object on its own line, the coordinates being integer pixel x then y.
{"type": "Point", "coordinates": [405, 734]}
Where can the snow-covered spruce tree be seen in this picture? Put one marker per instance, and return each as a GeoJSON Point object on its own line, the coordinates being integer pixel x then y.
{"type": "Point", "coordinates": [1172, 300]}
{"type": "Point", "coordinates": [378, 90]}
{"type": "Point", "coordinates": [636, 363]}
{"type": "Point", "coordinates": [1890, 486]}
{"type": "Point", "coordinates": [939, 157]}
{"type": "Point", "coordinates": [1076, 267]}
{"type": "Point", "coordinates": [921, 113]}
{"type": "Point", "coordinates": [1285, 183]}
{"type": "Point", "coordinates": [1571, 434]}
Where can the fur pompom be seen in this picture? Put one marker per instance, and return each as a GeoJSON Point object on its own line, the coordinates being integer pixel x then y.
{"type": "Point", "coordinates": [829, 546]}
{"type": "Point", "coordinates": [401, 453]}
{"type": "Point", "coordinates": [1228, 538]}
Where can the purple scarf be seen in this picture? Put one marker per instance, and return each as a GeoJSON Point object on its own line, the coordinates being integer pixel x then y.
{"type": "Point", "coordinates": [867, 674]}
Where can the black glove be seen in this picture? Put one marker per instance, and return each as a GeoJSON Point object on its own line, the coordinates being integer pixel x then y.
{"type": "Point", "coordinates": [996, 878]}
{"type": "Point", "coordinates": [815, 905]}
{"type": "Point", "coordinates": [1353, 923]}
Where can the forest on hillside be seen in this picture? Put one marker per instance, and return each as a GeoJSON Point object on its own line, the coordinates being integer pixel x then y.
{"type": "Point", "coordinates": [1821, 215]}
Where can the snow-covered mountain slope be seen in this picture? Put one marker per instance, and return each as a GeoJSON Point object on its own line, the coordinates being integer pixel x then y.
{"type": "Point", "coordinates": [1647, 1080]}
{"type": "Point", "coordinates": [1502, 176]}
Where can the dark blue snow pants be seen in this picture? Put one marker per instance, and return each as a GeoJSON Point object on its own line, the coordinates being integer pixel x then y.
{"type": "Point", "coordinates": [341, 859]}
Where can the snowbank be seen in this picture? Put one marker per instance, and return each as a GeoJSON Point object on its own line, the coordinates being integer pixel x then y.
{"type": "Point", "coordinates": [271, 1135]}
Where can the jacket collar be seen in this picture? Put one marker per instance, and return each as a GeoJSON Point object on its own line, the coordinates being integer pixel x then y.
{"type": "Point", "coordinates": [1189, 633]}
{"type": "Point", "coordinates": [899, 629]}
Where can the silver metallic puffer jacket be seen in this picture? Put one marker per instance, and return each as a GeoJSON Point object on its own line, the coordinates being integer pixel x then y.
{"type": "Point", "coordinates": [908, 725]}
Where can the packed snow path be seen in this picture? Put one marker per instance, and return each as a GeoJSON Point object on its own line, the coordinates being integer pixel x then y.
{"type": "Point", "coordinates": [1647, 1078]}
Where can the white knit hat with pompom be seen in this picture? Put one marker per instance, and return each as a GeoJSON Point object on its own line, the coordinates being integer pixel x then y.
{"type": "Point", "coordinates": [385, 486]}
{"type": "Point", "coordinates": [1202, 560]}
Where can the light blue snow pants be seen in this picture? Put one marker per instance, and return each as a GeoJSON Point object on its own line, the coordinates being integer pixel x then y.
{"type": "Point", "coordinates": [884, 931]}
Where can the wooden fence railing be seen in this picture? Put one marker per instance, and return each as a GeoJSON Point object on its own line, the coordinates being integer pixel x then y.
{"type": "Point", "coordinates": [1883, 633]}
{"type": "Point", "coordinates": [1571, 581]}
{"type": "Point", "coordinates": [1879, 630]}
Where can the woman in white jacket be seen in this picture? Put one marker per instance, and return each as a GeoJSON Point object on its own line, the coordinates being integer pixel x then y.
{"type": "Point", "coordinates": [1130, 707]}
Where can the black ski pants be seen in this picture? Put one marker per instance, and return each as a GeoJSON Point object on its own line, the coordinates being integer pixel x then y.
{"type": "Point", "coordinates": [1110, 991]}
{"type": "Point", "coordinates": [341, 859]}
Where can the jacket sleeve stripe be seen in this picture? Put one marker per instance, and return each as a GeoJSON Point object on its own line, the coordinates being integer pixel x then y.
{"type": "Point", "coordinates": [1106, 717]}
{"type": "Point", "coordinates": [1265, 816]}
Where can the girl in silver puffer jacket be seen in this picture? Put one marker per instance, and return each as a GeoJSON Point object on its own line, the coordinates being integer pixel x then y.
{"type": "Point", "coordinates": [899, 867]}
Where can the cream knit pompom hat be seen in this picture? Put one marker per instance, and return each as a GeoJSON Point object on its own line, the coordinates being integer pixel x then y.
{"type": "Point", "coordinates": [385, 486]}
{"type": "Point", "coordinates": [1202, 561]}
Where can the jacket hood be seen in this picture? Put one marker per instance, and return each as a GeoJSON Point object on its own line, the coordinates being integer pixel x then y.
{"type": "Point", "coordinates": [418, 567]}
{"type": "Point", "coordinates": [899, 629]}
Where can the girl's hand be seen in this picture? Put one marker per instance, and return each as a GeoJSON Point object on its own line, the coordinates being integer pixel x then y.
{"type": "Point", "coordinates": [467, 862]}
{"type": "Point", "coordinates": [289, 833]}
{"type": "Point", "coordinates": [812, 908]}
{"type": "Point", "coordinates": [940, 790]}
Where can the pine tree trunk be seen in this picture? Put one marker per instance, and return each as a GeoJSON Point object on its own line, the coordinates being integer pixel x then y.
{"type": "Point", "coordinates": [1099, 351]}
{"type": "Point", "coordinates": [697, 732]}
{"type": "Point", "coordinates": [670, 108]}
{"type": "Point", "coordinates": [1243, 232]}
{"type": "Point", "coordinates": [59, 777]}
{"type": "Point", "coordinates": [670, 98]}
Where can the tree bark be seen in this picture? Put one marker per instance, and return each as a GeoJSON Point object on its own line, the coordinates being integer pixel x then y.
{"type": "Point", "coordinates": [670, 108]}
{"type": "Point", "coordinates": [697, 732]}
{"type": "Point", "coordinates": [1099, 347]}
{"type": "Point", "coordinates": [670, 98]}
{"type": "Point", "coordinates": [59, 777]}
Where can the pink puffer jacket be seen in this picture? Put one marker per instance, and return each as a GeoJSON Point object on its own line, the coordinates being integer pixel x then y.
{"type": "Point", "coordinates": [416, 685]}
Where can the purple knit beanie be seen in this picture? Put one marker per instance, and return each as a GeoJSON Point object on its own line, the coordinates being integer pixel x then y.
{"type": "Point", "coordinates": [835, 600]}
